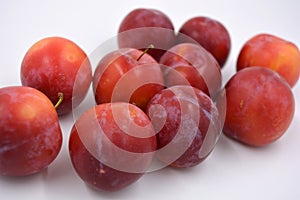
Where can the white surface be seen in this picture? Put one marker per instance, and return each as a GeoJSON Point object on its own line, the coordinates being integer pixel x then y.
{"type": "Point", "coordinates": [232, 171]}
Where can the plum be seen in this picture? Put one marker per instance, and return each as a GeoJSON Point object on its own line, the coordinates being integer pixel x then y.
{"type": "Point", "coordinates": [144, 26]}
{"type": "Point", "coordinates": [112, 145]}
{"type": "Point", "coordinates": [273, 52]}
{"type": "Point", "coordinates": [120, 76]}
{"type": "Point", "coordinates": [30, 134]}
{"type": "Point", "coordinates": [260, 106]}
{"type": "Point", "coordinates": [191, 64]}
{"type": "Point", "coordinates": [56, 65]}
{"type": "Point", "coordinates": [187, 123]}
{"type": "Point", "coordinates": [210, 34]}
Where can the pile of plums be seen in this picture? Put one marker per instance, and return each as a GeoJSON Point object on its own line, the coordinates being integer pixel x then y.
{"type": "Point", "coordinates": [159, 100]}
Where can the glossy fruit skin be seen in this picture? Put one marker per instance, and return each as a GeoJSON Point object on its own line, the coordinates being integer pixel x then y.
{"type": "Point", "coordinates": [187, 123]}
{"type": "Point", "coordinates": [260, 106]}
{"type": "Point", "coordinates": [273, 52]}
{"type": "Point", "coordinates": [30, 134]}
{"type": "Point", "coordinates": [142, 27]}
{"type": "Point", "coordinates": [57, 65]}
{"type": "Point", "coordinates": [191, 64]}
{"type": "Point", "coordinates": [210, 34]}
{"type": "Point", "coordinates": [120, 76]}
{"type": "Point", "coordinates": [112, 145]}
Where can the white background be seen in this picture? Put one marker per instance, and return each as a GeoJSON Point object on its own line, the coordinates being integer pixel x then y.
{"type": "Point", "coordinates": [233, 171]}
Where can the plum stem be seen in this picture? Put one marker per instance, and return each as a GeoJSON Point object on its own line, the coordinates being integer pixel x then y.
{"type": "Point", "coordinates": [151, 46]}
{"type": "Point", "coordinates": [60, 99]}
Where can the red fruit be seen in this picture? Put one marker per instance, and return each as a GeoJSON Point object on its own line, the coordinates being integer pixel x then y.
{"type": "Point", "coordinates": [56, 65]}
{"type": "Point", "coordinates": [209, 33]}
{"type": "Point", "coordinates": [30, 135]}
{"type": "Point", "coordinates": [127, 75]}
{"type": "Point", "coordinates": [187, 123]}
{"type": "Point", "coordinates": [260, 106]}
{"type": "Point", "coordinates": [190, 64]}
{"type": "Point", "coordinates": [142, 27]}
{"type": "Point", "coordinates": [112, 145]}
{"type": "Point", "coordinates": [275, 53]}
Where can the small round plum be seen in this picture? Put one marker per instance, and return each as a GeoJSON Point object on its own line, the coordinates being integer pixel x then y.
{"type": "Point", "coordinates": [30, 134]}
{"type": "Point", "coordinates": [56, 65]}
{"type": "Point", "coordinates": [260, 106]}
{"type": "Point", "coordinates": [142, 27]}
{"type": "Point", "coordinates": [273, 52]}
{"type": "Point", "coordinates": [191, 64]}
{"type": "Point", "coordinates": [127, 75]}
{"type": "Point", "coordinates": [112, 145]}
{"type": "Point", "coordinates": [209, 33]}
{"type": "Point", "coordinates": [187, 123]}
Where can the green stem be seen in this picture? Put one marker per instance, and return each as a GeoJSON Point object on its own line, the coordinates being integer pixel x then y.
{"type": "Point", "coordinates": [151, 46]}
{"type": "Point", "coordinates": [60, 99]}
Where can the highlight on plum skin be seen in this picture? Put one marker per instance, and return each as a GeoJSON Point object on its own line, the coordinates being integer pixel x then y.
{"type": "Point", "coordinates": [187, 124]}
{"type": "Point", "coordinates": [260, 106]}
{"type": "Point", "coordinates": [210, 34]}
{"type": "Point", "coordinates": [30, 134]}
{"type": "Point", "coordinates": [56, 65]}
{"type": "Point", "coordinates": [144, 26]}
{"type": "Point", "coordinates": [112, 145]}
{"type": "Point", "coordinates": [191, 64]}
{"type": "Point", "coordinates": [127, 75]}
{"type": "Point", "coordinates": [273, 52]}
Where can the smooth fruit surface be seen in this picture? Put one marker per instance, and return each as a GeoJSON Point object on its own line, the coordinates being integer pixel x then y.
{"type": "Point", "coordinates": [260, 106]}
{"type": "Point", "coordinates": [123, 75]}
{"type": "Point", "coordinates": [191, 64]}
{"type": "Point", "coordinates": [30, 135]}
{"type": "Point", "coordinates": [142, 27]}
{"type": "Point", "coordinates": [274, 53]}
{"type": "Point", "coordinates": [210, 34]}
{"type": "Point", "coordinates": [112, 145]}
{"type": "Point", "coordinates": [187, 123]}
{"type": "Point", "coordinates": [57, 65]}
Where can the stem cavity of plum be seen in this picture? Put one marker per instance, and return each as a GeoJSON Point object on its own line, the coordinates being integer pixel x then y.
{"type": "Point", "coordinates": [151, 46]}
{"type": "Point", "coordinates": [60, 99]}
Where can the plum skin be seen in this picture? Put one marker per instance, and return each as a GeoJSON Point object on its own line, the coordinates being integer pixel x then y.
{"type": "Point", "coordinates": [119, 72]}
{"type": "Point", "coordinates": [191, 125]}
{"type": "Point", "coordinates": [144, 26]}
{"type": "Point", "coordinates": [273, 52]}
{"type": "Point", "coordinates": [191, 64]}
{"type": "Point", "coordinates": [209, 33]}
{"type": "Point", "coordinates": [93, 172]}
{"type": "Point", "coordinates": [96, 137]}
{"type": "Point", "coordinates": [30, 134]}
{"type": "Point", "coordinates": [57, 65]}
{"type": "Point", "coordinates": [260, 106]}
